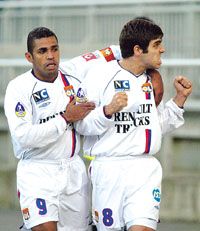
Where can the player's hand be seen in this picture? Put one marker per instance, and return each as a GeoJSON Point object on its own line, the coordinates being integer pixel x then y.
{"type": "Point", "coordinates": [75, 112]}
{"type": "Point", "coordinates": [157, 83]}
{"type": "Point", "coordinates": [119, 101]}
{"type": "Point", "coordinates": [183, 88]}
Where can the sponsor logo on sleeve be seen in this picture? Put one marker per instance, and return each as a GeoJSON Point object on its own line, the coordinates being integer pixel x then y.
{"type": "Point", "coordinates": [108, 54]}
{"type": "Point", "coordinates": [89, 56]}
{"type": "Point", "coordinates": [20, 110]}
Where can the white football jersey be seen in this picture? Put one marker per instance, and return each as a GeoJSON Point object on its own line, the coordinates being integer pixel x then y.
{"type": "Point", "coordinates": [34, 108]}
{"type": "Point", "coordinates": [138, 128]}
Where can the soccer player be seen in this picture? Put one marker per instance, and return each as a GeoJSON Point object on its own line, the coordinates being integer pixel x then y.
{"type": "Point", "coordinates": [125, 175]}
{"type": "Point", "coordinates": [40, 107]}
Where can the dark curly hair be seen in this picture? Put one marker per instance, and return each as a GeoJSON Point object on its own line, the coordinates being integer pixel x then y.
{"type": "Point", "coordinates": [139, 31]}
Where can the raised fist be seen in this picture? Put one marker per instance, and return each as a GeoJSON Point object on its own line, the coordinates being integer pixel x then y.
{"type": "Point", "coordinates": [119, 101]}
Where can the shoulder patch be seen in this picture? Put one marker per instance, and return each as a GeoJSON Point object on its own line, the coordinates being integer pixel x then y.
{"type": "Point", "coordinates": [89, 56]}
{"type": "Point", "coordinates": [80, 96]}
{"type": "Point", "coordinates": [108, 54]}
{"type": "Point", "coordinates": [20, 110]}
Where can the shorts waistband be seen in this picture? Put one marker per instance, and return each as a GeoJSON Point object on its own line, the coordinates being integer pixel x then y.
{"type": "Point", "coordinates": [53, 162]}
{"type": "Point", "coordinates": [118, 158]}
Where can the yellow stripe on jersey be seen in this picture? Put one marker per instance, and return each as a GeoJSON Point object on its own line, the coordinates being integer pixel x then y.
{"type": "Point", "coordinates": [88, 157]}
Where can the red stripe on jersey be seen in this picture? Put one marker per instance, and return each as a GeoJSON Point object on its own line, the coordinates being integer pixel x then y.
{"type": "Point", "coordinates": [64, 79]}
{"type": "Point", "coordinates": [148, 95]}
{"type": "Point", "coordinates": [148, 140]}
{"type": "Point", "coordinates": [69, 88]}
{"type": "Point", "coordinates": [108, 54]}
{"type": "Point", "coordinates": [73, 142]}
{"type": "Point", "coordinates": [18, 194]}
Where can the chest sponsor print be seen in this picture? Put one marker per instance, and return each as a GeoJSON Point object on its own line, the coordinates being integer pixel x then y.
{"type": "Point", "coordinates": [41, 96]}
{"type": "Point", "coordinates": [121, 85]}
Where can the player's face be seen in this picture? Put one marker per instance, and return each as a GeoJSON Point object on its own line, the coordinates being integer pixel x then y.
{"type": "Point", "coordinates": [152, 59]}
{"type": "Point", "coordinates": [45, 58]}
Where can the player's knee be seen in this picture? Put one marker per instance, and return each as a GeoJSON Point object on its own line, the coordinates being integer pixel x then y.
{"type": "Point", "coordinates": [140, 228]}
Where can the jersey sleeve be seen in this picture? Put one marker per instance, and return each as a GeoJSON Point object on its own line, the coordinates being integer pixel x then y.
{"type": "Point", "coordinates": [170, 116]}
{"type": "Point", "coordinates": [80, 65]}
{"type": "Point", "coordinates": [25, 134]}
{"type": "Point", "coordinates": [95, 123]}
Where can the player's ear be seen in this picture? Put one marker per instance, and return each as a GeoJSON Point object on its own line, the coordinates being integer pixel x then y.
{"type": "Point", "coordinates": [29, 57]}
{"type": "Point", "coordinates": [137, 50]}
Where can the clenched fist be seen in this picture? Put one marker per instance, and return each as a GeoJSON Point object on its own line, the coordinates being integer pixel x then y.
{"type": "Point", "coordinates": [183, 88]}
{"type": "Point", "coordinates": [119, 101]}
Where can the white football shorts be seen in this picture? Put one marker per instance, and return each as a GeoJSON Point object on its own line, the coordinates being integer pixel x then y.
{"type": "Point", "coordinates": [126, 192]}
{"type": "Point", "coordinates": [54, 191]}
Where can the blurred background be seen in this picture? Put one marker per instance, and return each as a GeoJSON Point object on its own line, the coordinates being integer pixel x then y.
{"type": "Point", "coordinates": [87, 25]}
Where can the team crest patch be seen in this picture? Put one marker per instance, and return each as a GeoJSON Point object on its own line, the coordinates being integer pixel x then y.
{"type": "Point", "coordinates": [108, 54]}
{"type": "Point", "coordinates": [69, 90]}
{"type": "Point", "coordinates": [96, 216]}
{"type": "Point", "coordinates": [20, 110]}
{"type": "Point", "coordinates": [146, 87]}
{"type": "Point", "coordinates": [25, 213]}
{"type": "Point", "coordinates": [80, 96]}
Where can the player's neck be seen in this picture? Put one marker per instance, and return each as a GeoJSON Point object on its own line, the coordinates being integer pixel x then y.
{"type": "Point", "coordinates": [132, 65]}
{"type": "Point", "coordinates": [48, 78]}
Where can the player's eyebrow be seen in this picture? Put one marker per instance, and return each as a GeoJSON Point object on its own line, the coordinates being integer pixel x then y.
{"type": "Point", "coordinates": [44, 49]}
{"type": "Point", "coordinates": [158, 41]}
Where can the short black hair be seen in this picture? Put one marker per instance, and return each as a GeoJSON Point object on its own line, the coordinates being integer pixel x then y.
{"type": "Point", "coordinates": [144, 18]}
{"type": "Point", "coordinates": [38, 33]}
{"type": "Point", "coordinates": [139, 31]}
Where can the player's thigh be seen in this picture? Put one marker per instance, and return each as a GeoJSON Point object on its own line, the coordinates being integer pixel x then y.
{"type": "Point", "coordinates": [73, 212]}
{"type": "Point", "coordinates": [107, 195]}
{"type": "Point", "coordinates": [38, 211]}
{"type": "Point", "coordinates": [74, 199]}
{"type": "Point", "coordinates": [143, 204]}
{"type": "Point", "coordinates": [37, 195]}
